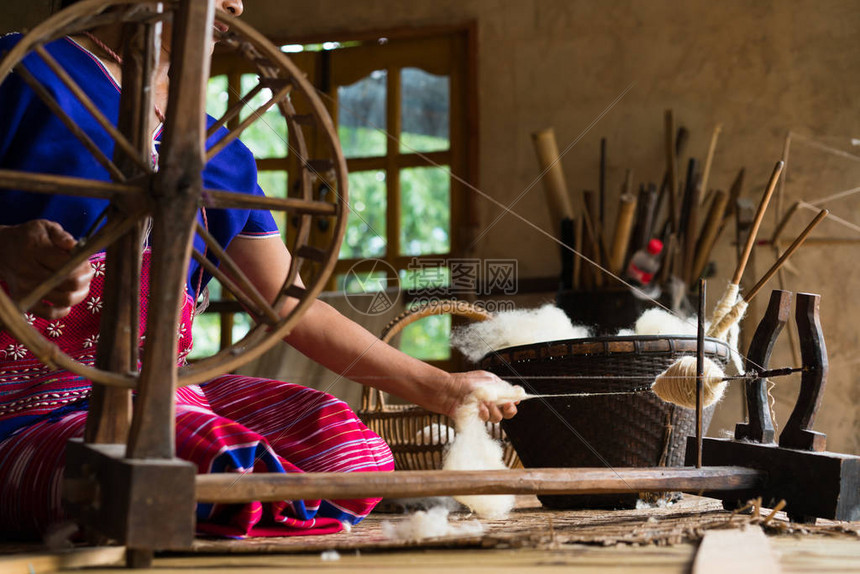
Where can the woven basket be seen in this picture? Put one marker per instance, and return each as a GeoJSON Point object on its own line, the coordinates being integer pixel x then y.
{"type": "Point", "coordinates": [621, 423]}
{"type": "Point", "coordinates": [418, 437]}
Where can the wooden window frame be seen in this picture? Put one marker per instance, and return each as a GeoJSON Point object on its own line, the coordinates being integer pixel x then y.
{"type": "Point", "coordinates": [458, 45]}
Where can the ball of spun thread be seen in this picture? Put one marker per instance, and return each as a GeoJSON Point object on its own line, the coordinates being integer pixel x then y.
{"type": "Point", "coordinates": [677, 384]}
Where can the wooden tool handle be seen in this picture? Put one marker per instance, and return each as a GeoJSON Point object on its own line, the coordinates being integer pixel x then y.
{"type": "Point", "coordinates": [623, 229]}
{"type": "Point", "coordinates": [558, 199]}
{"type": "Point", "coordinates": [762, 207]}
{"type": "Point", "coordinates": [671, 169]}
{"type": "Point", "coordinates": [795, 245]}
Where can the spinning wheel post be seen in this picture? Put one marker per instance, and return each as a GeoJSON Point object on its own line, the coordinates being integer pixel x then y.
{"type": "Point", "coordinates": [140, 495]}
{"type": "Point", "coordinates": [109, 416]}
{"type": "Point", "coordinates": [178, 185]}
{"type": "Point", "coordinates": [812, 482]}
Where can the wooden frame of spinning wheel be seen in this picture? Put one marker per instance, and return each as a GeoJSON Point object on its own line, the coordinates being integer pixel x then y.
{"type": "Point", "coordinates": [151, 487]}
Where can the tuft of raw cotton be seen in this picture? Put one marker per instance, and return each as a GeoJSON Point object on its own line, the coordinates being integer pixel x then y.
{"type": "Point", "coordinates": [474, 449]}
{"type": "Point", "coordinates": [435, 434]}
{"type": "Point", "coordinates": [656, 321]}
{"type": "Point", "coordinates": [329, 556]}
{"type": "Point", "coordinates": [625, 333]}
{"type": "Point", "coordinates": [517, 327]}
{"type": "Point", "coordinates": [432, 523]}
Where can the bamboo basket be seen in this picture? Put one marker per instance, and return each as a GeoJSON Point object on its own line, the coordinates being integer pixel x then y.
{"type": "Point", "coordinates": [418, 437]}
{"type": "Point", "coordinates": [615, 421]}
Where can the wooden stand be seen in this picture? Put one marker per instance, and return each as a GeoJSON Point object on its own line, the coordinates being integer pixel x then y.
{"type": "Point", "coordinates": [813, 482]}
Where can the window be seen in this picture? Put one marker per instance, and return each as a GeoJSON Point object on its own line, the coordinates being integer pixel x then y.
{"type": "Point", "coordinates": [400, 106]}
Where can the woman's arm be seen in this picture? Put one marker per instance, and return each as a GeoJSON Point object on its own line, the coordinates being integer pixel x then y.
{"type": "Point", "coordinates": [345, 347]}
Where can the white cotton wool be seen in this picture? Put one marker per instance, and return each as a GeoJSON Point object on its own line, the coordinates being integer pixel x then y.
{"type": "Point", "coordinates": [475, 449]}
{"type": "Point", "coordinates": [435, 434]}
{"type": "Point", "coordinates": [656, 321]}
{"type": "Point", "coordinates": [432, 523]}
{"type": "Point", "coordinates": [517, 327]}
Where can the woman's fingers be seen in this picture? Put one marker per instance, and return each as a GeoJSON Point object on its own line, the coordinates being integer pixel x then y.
{"type": "Point", "coordinates": [41, 248]}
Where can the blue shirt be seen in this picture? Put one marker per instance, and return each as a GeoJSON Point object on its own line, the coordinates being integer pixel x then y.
{"type": "Point", "coordinates": [34, 139]}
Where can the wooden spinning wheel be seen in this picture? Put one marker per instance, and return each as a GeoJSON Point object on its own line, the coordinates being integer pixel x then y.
{"type": "Point", "coordinates": [170, 196]}
{"type": "Point", "coordinates": [123, 481]}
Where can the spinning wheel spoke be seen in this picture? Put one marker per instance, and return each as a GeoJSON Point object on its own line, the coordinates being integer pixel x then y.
{"type": "Point", "coordinates": [105, 236]}
{"type": "Point", "coordinates": [61, 184]}
{"type": "Point", "coordinates": [257, 312]}
{"type": "Point", "coordinates": [228, 199]}
{"type": "Point", "coordinates": [235, 281]}
{"type": "Point", "coordinates": [85, 101]}
{"type": "Point", "coordinates": [79, 133]}
{"type": "Point", "coordinates": [284, 88]}
{"type": "Point", "coordinates": [252, 345]}
{"type": "Point", "coordinates": [136, 191]}
{"type": "Point", "coordinates": [234, 110]}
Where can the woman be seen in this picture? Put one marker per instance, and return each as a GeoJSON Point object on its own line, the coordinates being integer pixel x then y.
{"type": "Point", "coordinates": [232, 423]}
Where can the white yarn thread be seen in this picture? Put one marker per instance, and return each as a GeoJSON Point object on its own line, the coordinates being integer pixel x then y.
{"type": "Point", "coordinates": [730, 296]}
{"type": "Point", "coordinates": [720, 328]}
{"type": "Point", "coordinates": [677, 384]}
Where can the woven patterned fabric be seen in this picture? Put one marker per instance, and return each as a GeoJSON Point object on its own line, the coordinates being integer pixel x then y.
{"type": "Point", "coordinates": [231, 424]}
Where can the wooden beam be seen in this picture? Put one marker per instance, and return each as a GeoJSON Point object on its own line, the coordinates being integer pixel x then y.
{"type": "Point", "coordinates": [230, 488]}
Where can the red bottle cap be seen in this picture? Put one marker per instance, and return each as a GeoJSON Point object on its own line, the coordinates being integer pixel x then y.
{"type": "Point", "coordinates": [655, 246]}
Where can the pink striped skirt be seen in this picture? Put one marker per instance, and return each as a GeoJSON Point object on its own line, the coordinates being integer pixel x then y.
{"type": "Point", "coordinates": [231, 424]}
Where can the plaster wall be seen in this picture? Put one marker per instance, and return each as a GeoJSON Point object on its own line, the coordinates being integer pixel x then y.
{"type": "Point", "coordinates": [760, 68]}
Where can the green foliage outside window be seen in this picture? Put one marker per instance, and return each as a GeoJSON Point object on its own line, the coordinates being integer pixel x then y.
{"type": "Point", "coordinates": [425, 214]}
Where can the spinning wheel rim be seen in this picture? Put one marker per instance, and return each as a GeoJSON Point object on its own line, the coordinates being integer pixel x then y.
{"type": "Point", "coordinates": [78, 17]}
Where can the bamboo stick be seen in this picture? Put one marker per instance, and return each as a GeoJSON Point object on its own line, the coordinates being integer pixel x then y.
{"type": "Point", "coordinates": [710, 232]}
{"type": "Point", "coordinates": [709, 160]}
{"type": "Point", "coordinates": [234, 488]}
{"type": "Point", "coordinates": [762, 207]}
{"type": "Point", "coordinates": [555, 186]}
{"type": "Point", "coordinates": [788, 253]}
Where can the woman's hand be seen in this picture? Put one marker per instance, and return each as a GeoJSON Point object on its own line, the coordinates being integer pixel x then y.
{"type": "Point", "coordinates": [30, 253]}
{"type": "Point", "coordinates": [463, 384]}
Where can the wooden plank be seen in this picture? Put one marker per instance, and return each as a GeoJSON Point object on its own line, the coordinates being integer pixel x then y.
{"type": "Point", "coordinates": [742, 551]}
{"type": "Point", "coordinates": [228, 488]}
{"type": "Point", "coordinates": [37, 563]}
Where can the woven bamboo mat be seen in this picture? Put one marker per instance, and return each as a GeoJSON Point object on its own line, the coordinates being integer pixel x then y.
{"type": "Point", "coordinates": [531, 526]}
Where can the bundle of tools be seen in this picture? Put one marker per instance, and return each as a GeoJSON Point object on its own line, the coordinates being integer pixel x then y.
{"type": "Point", "coordinates": [663, 236]}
